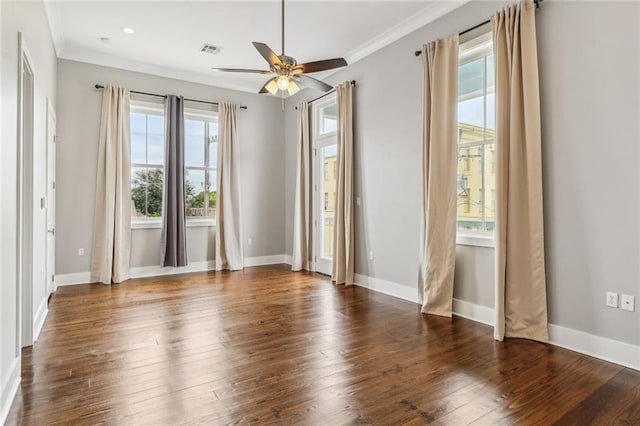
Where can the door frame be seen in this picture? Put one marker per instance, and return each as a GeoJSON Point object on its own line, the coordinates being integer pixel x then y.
{"type": "Point", "coordinates": [319, 141]}
{"type": "Point", "coordinates": [24, 201]}
{"type": "Point", "coordinates": [49, 202]}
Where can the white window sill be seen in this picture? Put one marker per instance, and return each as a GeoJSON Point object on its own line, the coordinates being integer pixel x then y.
{"type": "Point", "coordinates": [157, 224]}
{"type": "Point", "coordinates": [475, 240]}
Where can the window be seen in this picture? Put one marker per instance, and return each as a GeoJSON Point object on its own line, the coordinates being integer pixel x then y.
{"type": "Point", "coordinates": [147, 159]}
{"type": "Point", "coordinates": [201, 159]}
{"type": "Point", "coordinates": [147, 163]}
{"type": "Point", "coordinates": [476, 144]}
{"type": "Point", "coordinates": [328, 121]}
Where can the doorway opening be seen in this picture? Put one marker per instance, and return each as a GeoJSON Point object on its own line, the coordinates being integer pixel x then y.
{"type": "Point", "coordinates": [24, 204]}
{"type": "Point", "coordinates": [325, 155]}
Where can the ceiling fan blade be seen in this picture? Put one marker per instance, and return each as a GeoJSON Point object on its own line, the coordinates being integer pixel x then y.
{"type": "Point", "coordinates": [270, 86]}
{"type": "Point", "coordinates": [268, 54]}
{"type": "Point", "coordinates": [241, 70]}
{"type": "Point", "coordinates": [316, 66]}
{"type": "Point", "coordinates": [312, 83]}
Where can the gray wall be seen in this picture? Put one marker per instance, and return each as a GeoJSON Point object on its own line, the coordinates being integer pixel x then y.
{"type": "Point", "coordinates": [589, 54]}
{"type": "Point", "coordinates": [30, 19]}
{"type": "Point", "coordinates": [261, 159]}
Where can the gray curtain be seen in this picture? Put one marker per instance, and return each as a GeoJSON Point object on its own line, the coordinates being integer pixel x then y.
{"type": "Point", "coordinates": [111, 246]}
{"type": "Point", "coordinates": [229, 252]}
{"type": "Point", "coordinates": [174, 239]}
{"type": "Point", "coordinates": [302, 204]}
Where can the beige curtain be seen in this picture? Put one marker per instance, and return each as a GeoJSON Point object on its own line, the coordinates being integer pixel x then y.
{"type": "Point", "coordinates": [439, 161]}
{"type": "Point", "coordinates": [343, 242]}
{"type": "Point", "coordinates": [521, 302]}
{"type": "Point", "coordinates": [229, 253]}
{"type": "Point", "coordinates": [110, 254]}
{"type": "Point", "coordinates": [302, 196]}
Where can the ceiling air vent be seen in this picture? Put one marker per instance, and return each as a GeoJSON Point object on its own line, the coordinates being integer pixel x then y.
{"type": "Point", "coordinates": [210, 48]}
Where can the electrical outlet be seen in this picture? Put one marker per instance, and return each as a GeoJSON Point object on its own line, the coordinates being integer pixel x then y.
{"type": "Point", "coordinates": [627, 302]}
{"type": "Point", "coordinates": [357, 201]}
{"type": "Point", "coordinates": [249, 241]}
{"type": "Point", "coordinates": [371, 255]}
{"type": "Point", "coordinates": [612, 299]}
{"type": "Point", "coordinates": [80, 251]}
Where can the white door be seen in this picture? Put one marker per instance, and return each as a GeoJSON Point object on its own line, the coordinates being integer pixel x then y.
{"type": "Point", "coordinates": [51, 199]}
{"type": "Point", "coordinates": [325, 155]}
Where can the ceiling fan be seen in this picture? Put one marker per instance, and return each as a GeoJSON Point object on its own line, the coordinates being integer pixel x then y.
{"type": "Point", "coordinates": [288, 74]}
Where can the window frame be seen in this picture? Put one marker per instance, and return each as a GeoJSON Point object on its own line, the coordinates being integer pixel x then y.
{"type": "Point", "coordinates": [208, 116]}
{"type": "Point", "coordinates": [471, 50]}
{"type": "Point", "coordinates": [137, 105]}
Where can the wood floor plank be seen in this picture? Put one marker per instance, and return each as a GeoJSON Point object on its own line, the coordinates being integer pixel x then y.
{"type": "Point", "coordinates": [268, 346]}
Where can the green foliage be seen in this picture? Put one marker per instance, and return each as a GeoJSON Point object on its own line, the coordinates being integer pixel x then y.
{"type": "Point", "coordinates": [146, 192]}
{"type": "Point", "coordinates": [198, 200]}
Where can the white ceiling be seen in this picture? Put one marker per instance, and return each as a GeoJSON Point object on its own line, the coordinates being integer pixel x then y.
{"type": "Point", "coordinates": [169, 34]}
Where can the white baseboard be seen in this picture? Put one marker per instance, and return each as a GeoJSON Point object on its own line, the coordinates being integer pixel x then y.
{"type": "Point", "coordinates": [288, 259]}
{"type": "Point", "coordinates": [614, 351]}
{"type": "Point", "coordinates": [9, 389]}
{"type": "Point", "coordinates": [157, 271]}
{"type": "Point", "coordinates": [596, 346]}
{"type": "Point", "coordinates": [39, 318]}
{"type": "Point", "coordinates": [71, 279]}
{"type": "Point", "coordinates": [387, 287]}
{"type": "Point", "coordinates": [264, 260]}
{"type": "Point", "coordinates": [477, 313]}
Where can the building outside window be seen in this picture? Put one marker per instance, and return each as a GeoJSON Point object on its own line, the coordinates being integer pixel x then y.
{"type": "Point", "coordinates": [476, 143]}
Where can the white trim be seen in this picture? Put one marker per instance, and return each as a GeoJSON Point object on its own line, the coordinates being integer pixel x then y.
{"type": "Point", "coordinates": [72, 279]}
{"type": "Point", "coordinates": [387, 287]}
{"type": "Point", "coordinates": [288, 259]}
{"type": "Point", "coordinates": [55, 25]}
{"type": "Point", "coordinates": [9, 389]}
{"type": "Point", "coordinates": [430, 13]}
{"type": "Point", "coordinates": [40, 317]}
{"type": "Point", "coordinates": [157, 224]}
{"type": "Point", "coordinates": [157, 271]}
{"type": "Point", "coordinates": [264, 260]}
{"type": "Point", "coordinates": [425, 16]}
{"type": "Point", "coordinates": [477, 313]}
{"type": "Point", "coordinates": [596, 346]}
{"type": "Point", "coordinates": [610, 350]}
{"type": "Point", "coordinates": [475, 240]}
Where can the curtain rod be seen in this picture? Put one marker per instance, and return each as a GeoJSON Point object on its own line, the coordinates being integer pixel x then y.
{"type": "Point", "coordinates": [468, 30]}
{"type": "Point", "coordinates": [352, 82]}
{"type": "Point", "coordinates": [98, 86]}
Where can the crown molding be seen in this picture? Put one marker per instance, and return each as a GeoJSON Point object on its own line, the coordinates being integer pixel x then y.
{"type": "Point", "coordinates": [112, 61]}
{"type": "Point", "coordinates": [430, 13]}
{"type": "Point", "coordinates": [55, 25]}
{"type": "Point", "coordinates": [433, 11]}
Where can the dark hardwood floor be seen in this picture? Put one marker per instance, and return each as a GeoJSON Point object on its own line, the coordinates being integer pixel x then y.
{"type": "Point", "coordinates": [270, 346]}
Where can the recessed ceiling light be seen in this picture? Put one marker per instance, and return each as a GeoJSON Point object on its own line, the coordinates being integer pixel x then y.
{"type": "Point", "coordinates": [128, 30]}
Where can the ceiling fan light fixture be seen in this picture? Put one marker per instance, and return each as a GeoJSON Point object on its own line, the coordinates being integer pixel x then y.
{"type": "Point", "coordinates": [283, 82]}
{"type": "Point", "coordinates": [272, 87]}
{"type": "Point", "coordinates": [293, 88]}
